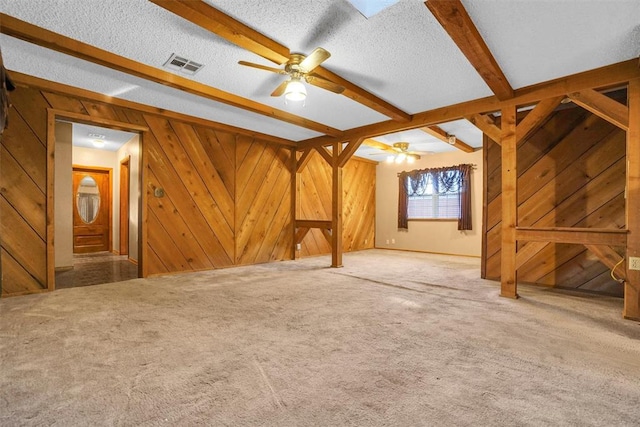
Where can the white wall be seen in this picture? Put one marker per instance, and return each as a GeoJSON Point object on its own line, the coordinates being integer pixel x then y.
{"type": "Point", "coordinates": [428, 236]}
{"type": "Point", "coordinates": [132, 149]}
{"type": "Point", "coordinates": [63, 197]}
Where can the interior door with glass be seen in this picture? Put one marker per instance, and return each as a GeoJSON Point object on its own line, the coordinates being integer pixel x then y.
{"type": "Point", "coordinates": [91, 210]}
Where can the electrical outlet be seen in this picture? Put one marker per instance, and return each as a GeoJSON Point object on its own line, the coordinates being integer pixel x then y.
{"type": "Point", "coordinates": [634, 263]}
{"type": "Point", "coordinates": [298, 246]}
{"type": "Point", "coordinates": [366, 241]}
{"type": "Point", "coordinates": [393, 241]}
{"type": "Point", "coordinates": [387, 241]}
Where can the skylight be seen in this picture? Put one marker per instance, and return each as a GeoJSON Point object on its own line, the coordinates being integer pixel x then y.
{"type": "Point", "coordinates": [370, 7]}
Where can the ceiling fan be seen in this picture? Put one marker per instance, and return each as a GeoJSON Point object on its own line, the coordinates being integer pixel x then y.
{"type": "Point", "coordinates": [397, 153]}
{"type": "Point", "coordinates": [300, 68]}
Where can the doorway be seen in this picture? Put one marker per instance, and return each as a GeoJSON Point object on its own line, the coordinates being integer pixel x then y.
{"type": "Point", "coordinates": [97, 203]}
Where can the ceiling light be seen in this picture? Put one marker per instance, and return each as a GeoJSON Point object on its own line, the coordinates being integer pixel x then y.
{"type": "Point", "coordinates": [451, 139]}
{"type": "Point", "coordinates": [295, 91]}
{"type": "Point", "coordinates": [98, 143]}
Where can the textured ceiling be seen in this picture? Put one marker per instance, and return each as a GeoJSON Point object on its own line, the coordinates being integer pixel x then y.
{"type": "Point", "coordinates": [400, 54]}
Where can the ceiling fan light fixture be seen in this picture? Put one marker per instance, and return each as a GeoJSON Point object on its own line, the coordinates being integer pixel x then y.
{"type": "Point", "coordinates": [401, 158]}
{"type": "Point", "coordinates": [295, 91]}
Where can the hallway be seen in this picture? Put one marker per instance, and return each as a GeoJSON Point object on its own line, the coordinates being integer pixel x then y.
{"type": "Point", "coordinates": [96, 268]}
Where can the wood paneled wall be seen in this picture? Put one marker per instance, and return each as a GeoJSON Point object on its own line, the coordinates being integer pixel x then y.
{"type": "Point", "coordinates": [571, 174]}
{"type": "Point", "coordinates": [227, 196]}
{"type": "Point", "coordinates": [314, 199]}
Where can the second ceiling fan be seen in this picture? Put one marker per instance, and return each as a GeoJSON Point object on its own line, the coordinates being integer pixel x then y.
{"type": "Point", "coordinates": [300, 68]}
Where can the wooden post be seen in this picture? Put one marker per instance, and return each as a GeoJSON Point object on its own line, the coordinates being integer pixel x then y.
{"type": "Point", "coordinates": [632, 285]}
{"type": "Point", "coordinates": [336, 207]}
{"type": "Point", "coordinates": [508, 277]}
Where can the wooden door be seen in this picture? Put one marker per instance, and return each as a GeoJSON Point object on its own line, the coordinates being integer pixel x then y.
{"type": "Point", "coordinates": [91, 209]}
{"type": "Point", "coordinates": [124, 207]}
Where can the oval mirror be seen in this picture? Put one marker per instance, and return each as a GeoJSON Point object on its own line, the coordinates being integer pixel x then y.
{"type": "Point", "coordinates": [88, 199]}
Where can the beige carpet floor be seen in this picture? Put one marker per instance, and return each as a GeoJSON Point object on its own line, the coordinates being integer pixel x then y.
{"type": "Point", "coordinates": [392, 339]}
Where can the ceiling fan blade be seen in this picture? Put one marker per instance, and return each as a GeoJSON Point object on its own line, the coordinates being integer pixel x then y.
{"type": "Point", "coordinates": [380, 146]}
{"type": "Point", "coordinates": [324, 84]}
{"type": "Point", "coordinates": [317, 57]}
{"type": "Point", "coordinates": [280, 89]}
{"type": "Point", "coordinates": [262, 67]}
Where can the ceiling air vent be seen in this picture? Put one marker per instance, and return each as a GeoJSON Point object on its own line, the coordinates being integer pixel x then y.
{"type": "Point", "coordinates": [183, 65]}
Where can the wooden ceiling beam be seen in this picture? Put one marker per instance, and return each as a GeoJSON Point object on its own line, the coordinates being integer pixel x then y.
{"type": "Point", "coordinates": [536, 117]}
{"type": "Point", "coordinates": [348, 151]}
{"type": "Point", "coordinates": [455, 20]}
{"type": "Point", "coordinates": [487, 125]}
{"type": "Point", "coordinates": [603, 107]}
{"type": "Point", "coordinates": [363, 97]}
{"type": "Point", "coordinates": [610, 75]}
{"type": "Point", "coordinates": [212, 19]}
{"type": "Point", "coordinates": [33, 34]}
{"type": "Point", "coordinates": [442, 135]}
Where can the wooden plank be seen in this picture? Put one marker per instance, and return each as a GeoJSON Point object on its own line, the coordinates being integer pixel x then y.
{"type": "Point", "coordinates": [133, 110]}
{"type": "Point", "coordinates": [536, 117]}
{"type": "Point", "coordinates": [50, 207]}
{"type": "Point", "coordinates": [210, 18]}
{"type": "Point", "coordinates": [442, 135]}
{"type": "Point", "coordinates": [348, 151]}
{"type": "Point", "coordinates": [311, 223]}
{"type": "Point", "coordinates": [328, 236]}
{"type": "Point", "coordinates": [609, 257]}
{"type": "Point", "coordinates": [191, 180]}
{"type": "Point", "coordinates": [32, 107]}
{"type": "Point", "coordinates": [326, 154]}
{"type": "Point", "coordinates": [528, 251]}
{"type": "Point", "coordinates": [98, 121]}
{"type": "Point", "coordinates": [194, 149]}
{"type": "Point", "coordinates": [57, 42]}
{"type": "Point", "coordinates": [17, 281]}
{"type": "Point", "coordinates": [68, 104]}
{"type": "Point", "coordinates": [219, 146]}
{"type": "Point", "coordinates": [487, 125]}
{"type": "Point", "coordinates": [508, 275]}
{"type": "Point", "coordinates": [301, 233]}
{"type": "Point", "coordinates": [205, 231]}
{"type": "Point", "coordinates": [304, 159]}
{"type": "Point", "coordinates": [167, 214]}
{"type": "Point", "coordinates": [602, 106]}
{"type": "Point", "coordinates": [575, 235]}
{"type": "Point", "coordinates": [336, 208]}
{"type": "Point", "coordinates": [22, 242]}
{"type": "Point", "coordinates": [632, 212]}
{"type": "Point", "coordinates": [266, 202]}
{"type": "Point", "coordinates": [455, 20]}
{"type": "Point", "coordinates": [24, 146]}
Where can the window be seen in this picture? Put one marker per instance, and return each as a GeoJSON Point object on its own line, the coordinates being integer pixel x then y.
{"type": "Point", "coordinates": [438, 193]}
{"type": "Point", "coordinates": [433, 204]}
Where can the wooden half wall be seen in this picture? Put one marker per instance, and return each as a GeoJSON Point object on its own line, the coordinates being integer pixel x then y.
{"type": "Point", "coordinates": [212, 197]}
{"type": "Point", "coordinates": [358, 204]}
{"type": "Point", "coordinates": [571, 173]}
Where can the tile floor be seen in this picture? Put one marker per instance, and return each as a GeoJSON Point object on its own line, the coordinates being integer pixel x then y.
{"type": "Point", "coordinates": [96, 268]}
